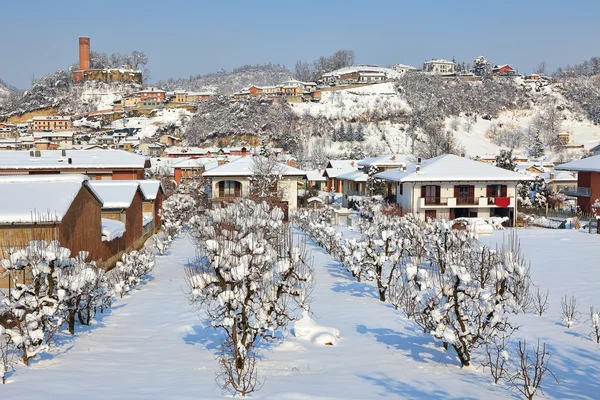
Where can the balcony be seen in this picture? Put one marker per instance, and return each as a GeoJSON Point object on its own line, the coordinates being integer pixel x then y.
{"type": "Point", "coordinates": [579, 192]}
{"type": "Point", "coordinates": [451, 202]}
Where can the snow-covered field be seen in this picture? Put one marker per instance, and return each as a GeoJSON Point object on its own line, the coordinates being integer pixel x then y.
{"type": "Point", "coordinates": [352, 103]}
{"type": "Point", "coordinates": [151, 345]}
{"type": "Point", "coordinates": [149, 125]}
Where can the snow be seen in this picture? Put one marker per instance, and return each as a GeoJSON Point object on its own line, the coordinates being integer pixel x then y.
{"type": "Point", "coordinates": [147, 218]}
{"type": "Point", "coordinates": [387, 160]}
{"type": "Point", "coordinates": [36, 198]}
{"type": "Point", "coordinates": [449, 168]}
{"type": "Point", "coordinates": [151, 345]}
{"type": "Point", "coordinates": [112, 229]}
{"type": "Point", "coordinates": [244, 167]}
{"type": "Point", "coordinates": [79, 159]}
{"type": "Point", "coordinates": [116, 194]}
{"type": "Point", "coordinates": [352, 103]}
{"type": "Point", "coordinates": [587, 164]}
{"type": "Point", "coordinates": [307, 329]}
{"type": "Point", "coordinates": [150, 188]}
{"type": "Point", "coordinates": [150, 125]}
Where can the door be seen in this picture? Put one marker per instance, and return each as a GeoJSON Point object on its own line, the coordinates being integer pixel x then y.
{"type": "Point", "coordinates": [430, 214]}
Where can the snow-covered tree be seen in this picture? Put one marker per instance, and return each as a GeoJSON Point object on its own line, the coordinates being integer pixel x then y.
{"type": "Point", "coordinates": [537, 147]}
{"type": "Point", "coordinates": [130, 271]}
{"type": "Point", "coordinates": [249, 276]}
{"type": "Point", "coordinates": [506, 160]}
{"type": "Point", "coordinates": [481, 66]}
{"type": "Point", "coordinates": [175, 211]}
{"type": "Point", "coordinates": [460, 291]}
{"type": "Point", "coordinates": [375, 186]}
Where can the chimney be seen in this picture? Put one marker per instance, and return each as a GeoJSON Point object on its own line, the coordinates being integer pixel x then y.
{"type": "Point", "coordinates": [352, 163]}
{"type": "Point", "coordinates": [404, 168]}
{"type": "Point", "coordinates": [418, 169]}
{"type": "Point", "coordinates": [64, 152]}
{"type": "Point", "coordinates": [31, 154]}
{"type": "Point", "coordinates": [70, 161]}
{"type": "Point", "coordinates": [419, 160]}
{"type": "Point", "coordinates": [394, 157]}
{"type": "Point", "coordinates": [551, 176]}
{"type": "Point", "coordinates": [84, 53]}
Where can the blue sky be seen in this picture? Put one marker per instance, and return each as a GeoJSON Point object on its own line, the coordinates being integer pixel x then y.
{"type": "Point", "coordinates": [183, 38]}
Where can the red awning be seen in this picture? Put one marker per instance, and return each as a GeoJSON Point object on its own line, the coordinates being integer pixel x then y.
{"type": "Point", "coordinates": [503, 202]}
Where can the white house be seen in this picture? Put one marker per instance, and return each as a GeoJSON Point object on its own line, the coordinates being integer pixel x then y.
{"type": "Point", "coordinates": [402, 68]}
{"type": "Point", "coordinates": [232, 180]}
{"type": "Point", "coordinates": [354, 183]}
{"type": "Point", "coordinates": [450, 187]}
{"type": "Point", "coordinates": [440, 66]}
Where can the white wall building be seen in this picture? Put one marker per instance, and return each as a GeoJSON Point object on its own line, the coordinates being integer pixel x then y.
{"type": "Point", "coordinates": [232, 180]}
{"type": "Point", "coordinates": [441, 66]}
{"type": "Point", "coordinates": [450, 187]}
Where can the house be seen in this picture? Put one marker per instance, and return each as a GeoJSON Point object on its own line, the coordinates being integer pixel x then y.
{"type": "Point", "coordinates": [564, 137]}
{"type": "Point", "coordinates": [52, 123]}
{"type": "Point", "coordinates": [152, 94]}
{"type": "Point", "coordinates": [151, 149]}
{"type": "Point", "coordinates": [402, 68]}
{"type": "Point", "coordinates": [316, 180]}
{"type": "Point", "coordinates": [359, 74]}
{"type": "Point", "coordinates": [193, 167]}
{"type": "Point", "coordinates": [354, 183]}
{"type": "Point", "coordinates": [169, 140]}
{"type": "Point", "coordinates": [49, 207]}
{"type": "Point", "coordinates": [450, 187]}
{"type": "Point", "coordinates": [58, 138]}
{"type": "Point", "coordinates": [588, 181]}
{"type": "Point", "coordinates": [123, 202]}
{"type": "Point", "coordinates": [96, 164]}
{"type": "Point", "coordinates": [151, 204]}
{"type": "Point", "coordinates": [505, 70]}
{"type": "Point", "coordinates": [334, 169]}
{"type": "Point", "coordinates": [441, 66]}
{"type": "Point", "coordinates": [232, 180]}
{"type": "Point", "coordinates": [560, 181]}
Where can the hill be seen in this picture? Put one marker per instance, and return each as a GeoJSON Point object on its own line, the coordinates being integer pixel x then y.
{"type": "Point", "coordinates": [226, 82]}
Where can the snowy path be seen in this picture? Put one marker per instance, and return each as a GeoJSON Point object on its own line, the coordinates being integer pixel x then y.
{"type": "Point", "coordinates": [151, 346]}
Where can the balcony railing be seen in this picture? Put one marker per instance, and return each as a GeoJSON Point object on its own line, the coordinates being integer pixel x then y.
{"type": "Point", "coordinates": [433, 202]}
{"type": "Point", "coordinates": [579, 192]}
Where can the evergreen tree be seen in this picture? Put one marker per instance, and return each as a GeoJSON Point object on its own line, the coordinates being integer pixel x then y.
{"type": "Point", "coordinates": [264, 150]}
{"type": "Point", "coordinates": [506, 160]}
{"type": "Point", "coordinates": [360, 133]}
{"type": "Point", "coordinates": [375, 186]}
{"type": "Point", "coordinates": [537, 148]}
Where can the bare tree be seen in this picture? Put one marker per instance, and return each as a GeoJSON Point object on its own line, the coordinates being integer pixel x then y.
{"type": "Point", "coordinates": [6, 354]}
{"type": "Point", "coordinates": [541, 68]}
{"type": "Point", "coordinates": [595, 320]}
{"type": "Point", "coordinates": [540, 302]}
{"type": "Point", "coordinates": [569, 310]}
{"type": "Point", "coordinates": [496, 357]}
{"type": "Point", "coordinates": [531, 370]}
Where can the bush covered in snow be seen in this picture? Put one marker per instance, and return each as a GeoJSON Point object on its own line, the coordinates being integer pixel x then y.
{"type": "Point", "coordinates": [59, 289]}
{"type": "Point", "coordinates": [249, 276]}
{"type": "Point", "coordinates": [175, 212]}
{"type": "Point", "coordinates": [453, 287]}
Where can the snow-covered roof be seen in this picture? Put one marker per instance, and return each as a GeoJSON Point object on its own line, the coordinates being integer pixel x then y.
{"type": "Point", "coordinates": [403, 66]}
{"type": "Point", "coordinates": [194, 162]}
{"type": "Point", "coordinates": [150, 188]}
{"type": "Point", "coordinates": [339, 167]}
{"type": "Point", "coordinates": [451, 168]}
{"type": "Point", "coordinates": [116, 194]}
{"type": "Point", "coordinates": [315, 175]}
{"type": "Point", "coordinates": [354, 176]}
{"type": "Point", "coordinates": [385, 160]}
{"type": "Point", "coordinates": [438, 61]}
{"type": "Point", "coordinates": [245, 167]}
{"type": "Point", "coordinates": [558, 176]}
{"type": "Point", "coordinates": [589, 164]}
{"type": "Point", "coordinates": [362, 68]}
{"type": "Point", "coordinates": [39, 198]}
{"type": "Point", "coordinates": [53, 134]}
{"type": "Point", "coordinates": [112, 229]}
{"type": "Point", "coordinates": [53, 159]}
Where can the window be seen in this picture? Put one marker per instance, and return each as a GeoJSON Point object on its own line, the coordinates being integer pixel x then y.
{"type": "Point", "coordinates": [494, 191]}
{"type": "Point", "coordinates": [401, 186]}
{"type": "Point", "coordinates": [229, 189]}
{"type": "Point", "coordinates": [465, 194]}
{"type": "Point", "coordinates": [431, 193]}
